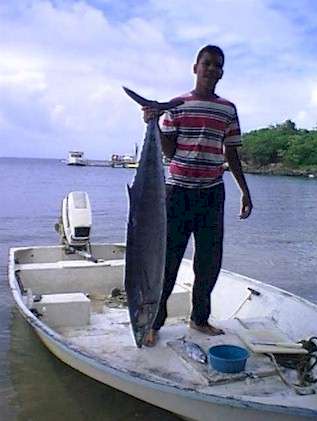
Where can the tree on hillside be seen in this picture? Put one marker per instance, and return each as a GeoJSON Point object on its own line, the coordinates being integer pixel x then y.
{"type": "Point", "coordinates": [264, 146]}
{"type": "Point", "coordinates": [302, 150]}
{"type": "Point", "coordinates": [288, 125]}
{"type": "Point", "coordinates": [283, 143]}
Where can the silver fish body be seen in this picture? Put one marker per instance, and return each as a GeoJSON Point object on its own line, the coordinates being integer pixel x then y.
{"type": "Point", "coordinates": [195, 352]}
{"type": "Point", "coordinates": [146, 232]}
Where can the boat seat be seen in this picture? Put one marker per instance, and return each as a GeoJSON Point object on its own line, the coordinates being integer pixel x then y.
{"type": "Point", "coordinates": [72, 276]}
{"type": "Point", "coordinates": [69, 264]}
{"type": "Point", "coordinates": [64, 309]}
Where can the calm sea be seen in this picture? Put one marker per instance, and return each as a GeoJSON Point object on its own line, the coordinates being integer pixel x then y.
{"type": "Point", "coordinates": [277, 245]}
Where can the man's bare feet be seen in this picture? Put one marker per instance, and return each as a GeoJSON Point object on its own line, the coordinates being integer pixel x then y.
{"type": "Point", "coordinates": [207, 329]}
{"type": "Point", "coordinates": [151, 338]}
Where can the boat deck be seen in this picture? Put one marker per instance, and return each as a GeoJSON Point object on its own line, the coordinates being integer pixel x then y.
{"type": "Point", "coordinates": [109, 338]}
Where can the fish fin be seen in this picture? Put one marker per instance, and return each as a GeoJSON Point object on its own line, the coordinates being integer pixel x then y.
{"type": "Point", "coordinates": [160, 106]}
{"type": "Point", "coordinates": [137, 98]}
{"type": "Point", "coordinates": [129, 191]}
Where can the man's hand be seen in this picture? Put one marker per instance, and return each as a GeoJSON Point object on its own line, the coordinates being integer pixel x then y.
{"type": "Point", "coordinates": [235, 167]}
{"type": "Point", "coordinates": [246, 206]}
{"type": "Point", "coordinates": [150, 113]}
{"type": "Point", "coordinates": [168, 141]}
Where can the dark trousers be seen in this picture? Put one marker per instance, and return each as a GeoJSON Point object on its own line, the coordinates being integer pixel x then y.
{"type": "Point", "coordinates": [199, 212]}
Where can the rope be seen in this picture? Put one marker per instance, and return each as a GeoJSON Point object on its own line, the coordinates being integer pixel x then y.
{"type": "Point", "coordinates": [308, 362]}
{"type": "Point", "coordinates": [299, 390]}
{"type": "Point", "coordinates": [304, 364]}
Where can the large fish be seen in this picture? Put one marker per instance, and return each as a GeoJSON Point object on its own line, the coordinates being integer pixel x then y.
{"type": "Point", "coordinates": [146, 233]}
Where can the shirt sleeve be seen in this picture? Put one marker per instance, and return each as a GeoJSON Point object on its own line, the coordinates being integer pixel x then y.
{"type": "Point", "coordinates": [168, 123]}
{"type": "Point", "coordinates": [232, 131]}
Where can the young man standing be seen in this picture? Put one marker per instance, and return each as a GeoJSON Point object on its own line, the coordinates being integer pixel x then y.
{"type": "Point", "coordinates": [198, 136]}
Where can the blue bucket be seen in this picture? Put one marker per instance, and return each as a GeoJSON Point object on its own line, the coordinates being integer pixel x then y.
{"type": "Point", "coordinates": [228, 358]}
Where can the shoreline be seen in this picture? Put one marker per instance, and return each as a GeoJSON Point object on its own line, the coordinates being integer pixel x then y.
{"type": "Point", "coordinates": [277, 169]}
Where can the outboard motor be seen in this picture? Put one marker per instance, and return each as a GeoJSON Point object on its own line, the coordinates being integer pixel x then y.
{"type": "Point", "coordinates": [76, 218]}
{"type": "Point", "coordinates": [75, 224]}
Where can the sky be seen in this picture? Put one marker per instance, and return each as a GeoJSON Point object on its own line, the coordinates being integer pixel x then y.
{"type": "Point", "coordinates": [63, 65]}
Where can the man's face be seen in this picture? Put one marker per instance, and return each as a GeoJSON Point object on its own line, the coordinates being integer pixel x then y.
{"type": "Point", "coordinates": [209, 68]}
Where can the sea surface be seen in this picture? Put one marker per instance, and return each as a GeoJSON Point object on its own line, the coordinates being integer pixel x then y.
{"type": "Point", "coordinates": [277, 245]}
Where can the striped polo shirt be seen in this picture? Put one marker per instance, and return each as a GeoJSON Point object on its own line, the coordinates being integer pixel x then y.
{"type": "Point", "coordinates": [202, 127]}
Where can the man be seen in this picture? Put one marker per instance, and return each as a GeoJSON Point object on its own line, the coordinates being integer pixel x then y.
{"type": "Point", "coordinates": [198, 137]}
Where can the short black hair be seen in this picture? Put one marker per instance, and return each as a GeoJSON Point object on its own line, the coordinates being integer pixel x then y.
{"type": "Point", "coordinates": [210, 49]}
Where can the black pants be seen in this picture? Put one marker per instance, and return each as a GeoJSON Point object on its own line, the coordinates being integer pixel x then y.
{"type": "Point", "coordinates": [201, 212]}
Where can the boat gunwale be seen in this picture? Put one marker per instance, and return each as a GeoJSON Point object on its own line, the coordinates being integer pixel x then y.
{"type": "Point", "coordinates": [242, 277]}
{"type": "Point", "coordinates": [132, 376]}
{"type": "Point", "coordinates": [273, 288]}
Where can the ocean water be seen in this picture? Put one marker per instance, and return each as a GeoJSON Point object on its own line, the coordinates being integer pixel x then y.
{"type": "Point", "coordinates": [277, 245]}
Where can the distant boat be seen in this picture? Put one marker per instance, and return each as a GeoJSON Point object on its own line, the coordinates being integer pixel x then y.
{"type": "Point", "coordinates": [126, 160]}
{"type": "Point", "coordinates": [116, 164]}
{"type": "Point", "coordinates": [131, 165]}
{"type": "Point", "coordinates": [76, 158]}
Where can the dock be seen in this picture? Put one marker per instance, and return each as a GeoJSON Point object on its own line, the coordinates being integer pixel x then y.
{"type": "Point", "coordinates": [98, 163]}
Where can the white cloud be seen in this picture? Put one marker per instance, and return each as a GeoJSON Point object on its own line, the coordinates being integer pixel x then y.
{"type": "Point", "coordinates": [62, 65]}
{"type": "Point", "coordinates": [314, 96]}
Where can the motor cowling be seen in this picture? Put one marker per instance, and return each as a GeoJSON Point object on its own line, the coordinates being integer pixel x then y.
{"type": "Point", "coordinates": [76, 219]}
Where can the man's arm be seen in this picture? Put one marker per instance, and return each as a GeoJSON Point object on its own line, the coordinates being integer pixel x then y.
{"type": "Point", "coordinates": [234, 163]}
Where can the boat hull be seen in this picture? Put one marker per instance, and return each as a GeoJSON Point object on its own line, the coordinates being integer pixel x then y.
{"type": "Point", "coordinates": [185, 402]}
{"type": "Point", "coordinates": [182, 403]}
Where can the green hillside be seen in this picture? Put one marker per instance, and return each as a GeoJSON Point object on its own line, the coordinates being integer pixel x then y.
{"type": "Point", "coordinates": [280, 149]}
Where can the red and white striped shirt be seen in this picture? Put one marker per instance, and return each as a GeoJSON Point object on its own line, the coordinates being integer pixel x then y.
{"type": "Point", "coordinates": [202, 127]}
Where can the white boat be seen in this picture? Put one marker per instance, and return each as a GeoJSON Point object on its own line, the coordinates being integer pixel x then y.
{"type": "Point", "coordinates": [132, 165]}
{"type": "Point", "coordinates": [77, 321]}
{"type": "Point", "coordinates": [74, 302]}
{"type": "Point", "coordinates": [76, 158]}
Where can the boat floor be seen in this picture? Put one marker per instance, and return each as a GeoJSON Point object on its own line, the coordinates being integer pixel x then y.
{"type": "Point", "coordinates": [108, 337]}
